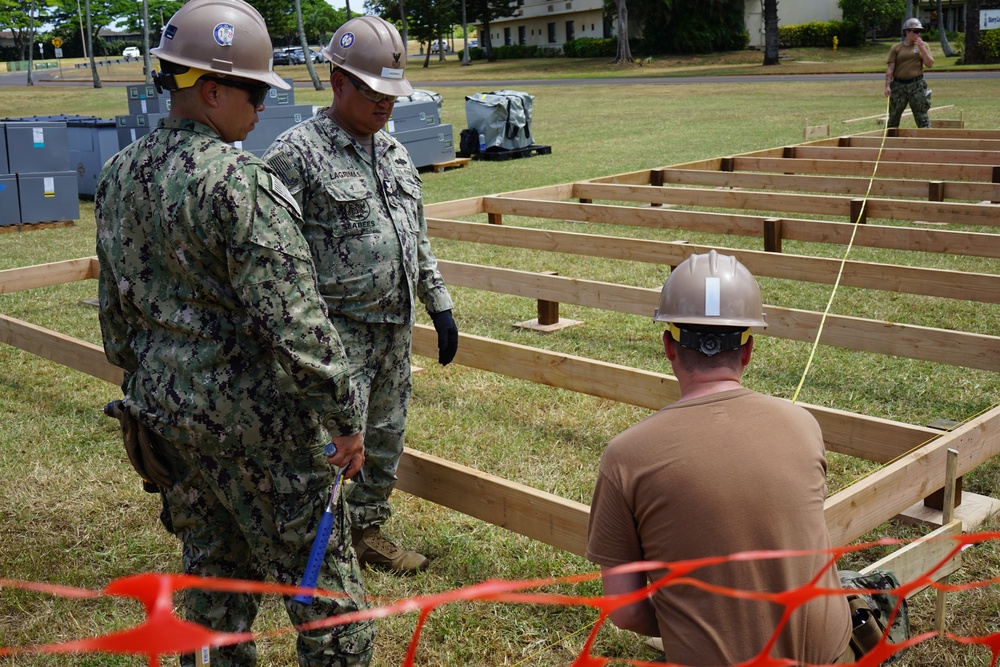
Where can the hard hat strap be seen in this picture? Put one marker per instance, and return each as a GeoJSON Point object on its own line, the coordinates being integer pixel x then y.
{"type": "Point", "coordinates": [709, 343]}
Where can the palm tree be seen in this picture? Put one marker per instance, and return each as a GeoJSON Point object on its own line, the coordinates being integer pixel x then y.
{"type": "Point", "coordinates": [624, 51]}
{"type": "Point", "coordinates": [306, 52]}
{"type": "Point", "coordinates": [770, 32]}
{"type": "Point", "coordinates": [945, 46]}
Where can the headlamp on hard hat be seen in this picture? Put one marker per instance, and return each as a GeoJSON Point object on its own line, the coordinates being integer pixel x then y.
{"type": "Point", "coordinates": [709, 343]}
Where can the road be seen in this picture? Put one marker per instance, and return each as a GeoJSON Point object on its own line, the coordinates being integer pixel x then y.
{"type": "Point", "coordinates": [42, 78]}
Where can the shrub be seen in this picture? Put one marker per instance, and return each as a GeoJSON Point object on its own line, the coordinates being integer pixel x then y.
{"type": "Point", "coordinates": [989, 45]}
{"type": "Point", "coordinates": [818, 34]}
{"type": "Point", "coordinates": [591, 47]}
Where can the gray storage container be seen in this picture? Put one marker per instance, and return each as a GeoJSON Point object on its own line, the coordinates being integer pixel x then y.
{"type": "Point", "coordinates": [48, 196]}
{"type": "Point", "coordinates": [428, 145]}
{"type": "Point", "coordinates": [4, 167]}
{"type": "Point", "coordinates": [10, 211]}
{"type": "Point", "coordinates": [34, 146]}
{"type": "Point", "coordinates": [143, 99]}
{"type": "Point", "coordinates": [413, 116]}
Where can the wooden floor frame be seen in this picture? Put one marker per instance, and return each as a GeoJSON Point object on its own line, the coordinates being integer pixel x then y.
{"type": "Point", "coordinates": [955, 173]}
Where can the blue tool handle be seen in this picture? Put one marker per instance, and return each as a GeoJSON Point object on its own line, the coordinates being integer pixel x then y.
{"type": "Point", "coordinates": [316, 556]}
{"type": "Point", "coordinates": [331, 449]}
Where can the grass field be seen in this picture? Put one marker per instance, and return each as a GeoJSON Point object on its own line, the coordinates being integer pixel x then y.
{"type": "Point", "coordinates": [73, 513]}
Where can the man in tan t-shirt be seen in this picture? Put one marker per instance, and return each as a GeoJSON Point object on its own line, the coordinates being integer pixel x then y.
{"type": "Point", "coordinates": [904, 76]}
{"type": "Point", "coordinates": [721, 471]}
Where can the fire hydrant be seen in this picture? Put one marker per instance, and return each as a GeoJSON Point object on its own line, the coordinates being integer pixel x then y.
{"type": "Point", "coordinates": [836, 41]}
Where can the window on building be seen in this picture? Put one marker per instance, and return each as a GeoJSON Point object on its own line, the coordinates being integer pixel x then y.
{"type": "Point", "coordinates": [552, 33]}
{"type": "Point", "coordinates": [570, 31]}
{"type": "Point", "coordinates": [506, 36]}
{"type": "Point", "coordinates": [521, 38]}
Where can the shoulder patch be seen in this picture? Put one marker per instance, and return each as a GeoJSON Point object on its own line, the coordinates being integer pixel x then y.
{"type": "Point", "coordinates": [285, 170]}
{"type": "Point", "coordinates": [282, 192]}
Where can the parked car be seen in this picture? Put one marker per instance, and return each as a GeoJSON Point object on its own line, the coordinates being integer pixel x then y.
{"type": "Point", "coordinates": [280, 57]}
{"type": "Point", "coordinates": [295, 55]}
{"type": "Point", "coordinates": [473, 43]}
{"type": "Point", "coordinates": [131, 52]}
{"type": "Point", "coordinates": [439, 46]}
{"type": "Point", "coordinates": [317, 56]}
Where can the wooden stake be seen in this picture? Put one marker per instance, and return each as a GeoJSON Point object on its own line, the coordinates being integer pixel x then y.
{"type": "Point", "coordinates": [948, 515]}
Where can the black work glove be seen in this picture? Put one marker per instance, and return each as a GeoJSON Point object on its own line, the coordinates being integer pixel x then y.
{"type": "Point", "coordinates": [447, 333]}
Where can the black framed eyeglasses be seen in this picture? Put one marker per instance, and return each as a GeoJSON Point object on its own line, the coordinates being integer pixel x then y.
{"type": "Point", "coordinates": [366, 91]}
{"type": "Point", "coordinates": [256, 91]}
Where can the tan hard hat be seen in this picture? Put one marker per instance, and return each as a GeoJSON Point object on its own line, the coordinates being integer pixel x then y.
{"type": "Point", "coordinates": [711, 290]}
{"type": "Point", "coordinates": [226, 37]}
{"type": "Point", "coordinates": [912, 24]}
{"type": "Point", "coordinates": [371, 49]}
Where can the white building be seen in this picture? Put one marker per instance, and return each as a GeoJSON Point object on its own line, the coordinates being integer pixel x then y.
{"type": "Point", "coordinates": [551, 23]}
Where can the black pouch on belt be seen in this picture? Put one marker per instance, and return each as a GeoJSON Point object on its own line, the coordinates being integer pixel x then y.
{"type": "Point", "coordinates": [140, 448]}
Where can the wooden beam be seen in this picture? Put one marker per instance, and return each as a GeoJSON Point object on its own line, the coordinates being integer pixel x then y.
{"type": "Point", "coordinates": [70, 352]}
{"type": "Point", "coordinates": [44, 275]}
{"type": "Point", "coordinates": [898, 155]}
{"type": "Point", "coordinates": [845, 432]}
{"type": "Point", "coordinates": [948, 172]}
{"type": "Point", "coordinates": [946, 346]}
{"type": "Point", "coordinates": [519, 508]}
{"type": "Point", "coordinates": [972, 244]}
{"type": "Point", "coordinates": [979, 287]}
{"type": "Point", "coordinates": [925, 143]}
{"type": "Point", "coordinates": [927, 556]}
{"type": "Point", "coordinates": [885, 493]}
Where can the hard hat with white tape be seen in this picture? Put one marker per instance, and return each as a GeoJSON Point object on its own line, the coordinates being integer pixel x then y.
{"type": "Point", "coordinates": [371, 49]}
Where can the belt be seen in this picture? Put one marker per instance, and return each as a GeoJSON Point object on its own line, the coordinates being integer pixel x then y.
{"type": "Point", "coordinates": [916, 78]}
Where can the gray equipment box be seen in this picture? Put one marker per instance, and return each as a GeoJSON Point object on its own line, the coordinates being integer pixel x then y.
{"type": "Point", "coordinates": [3, 150]}
{"type": "Point", "coordinates": [48, 196]}
{"type": "Point", "coordinates": [271, 123]}
{"type": "Point", "coordinates": [420, 95]}
{"type": "Point", "coordinates": [278, 97]}
{"type": "Point", "coordinates": [10, 211]}
{"type": "Point", "coordinates": [428, 145]}
{"type": "Point", "coordinates": [143, 99]}
{"type": "Point", "coordinates": [503, 117]}
{"type": "Point", "coordinates": [408, 116]}
{"type": "Point", "coordinates": [92, 142]}
{"type": "Point", "coordinates": [130, 128]}
{"type": "Point", "coordinates": [36, 146]}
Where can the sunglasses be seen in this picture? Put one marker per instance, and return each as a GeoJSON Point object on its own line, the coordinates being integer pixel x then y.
{"type": "Point", "coordinates": [366, 91]}
{"type": "Point", "coordinates": [255, 91]}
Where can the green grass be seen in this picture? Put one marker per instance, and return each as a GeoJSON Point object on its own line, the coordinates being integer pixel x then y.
{"type": "Point", "coordinates": [72, 512]}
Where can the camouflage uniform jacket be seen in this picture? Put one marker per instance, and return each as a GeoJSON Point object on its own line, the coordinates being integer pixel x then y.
{"type": "Point", "coordinates": [208, 297]}
{"type": "Point", "coordinates": [366, 227]}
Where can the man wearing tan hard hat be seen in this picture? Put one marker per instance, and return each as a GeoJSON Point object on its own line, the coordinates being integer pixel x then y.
{"type": "Point", "coordinates": [234, 377]}
{"type": "Point", "coordinates": [722, 470]}
{"type": "Point", "coordinates": [363, 215]}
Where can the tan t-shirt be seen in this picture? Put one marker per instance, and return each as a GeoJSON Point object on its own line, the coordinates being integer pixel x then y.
{"type": "Point", "coordinates": [731, 472]}
{"type": "Point", "coordinates": [909, 64]}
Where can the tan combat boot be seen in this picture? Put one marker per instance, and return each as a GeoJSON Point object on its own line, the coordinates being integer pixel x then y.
{"type": "Point", "coordinates": [375, 549]}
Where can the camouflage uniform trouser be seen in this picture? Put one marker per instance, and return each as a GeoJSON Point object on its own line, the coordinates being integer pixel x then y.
{"type": "Point", "coordinates": [913, 93]}
{"type": "Point", "coordinates": [379, 358]}
{"type": "Point", "coordinates": [252, 515]}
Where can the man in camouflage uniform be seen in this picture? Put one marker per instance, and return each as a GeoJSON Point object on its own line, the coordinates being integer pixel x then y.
{"type": "Point", "coordinates": [209, 303]}
{"type": "Point", "coordinates": [904, 76]}
{"type": "Point", "coordinates": [363, 218]}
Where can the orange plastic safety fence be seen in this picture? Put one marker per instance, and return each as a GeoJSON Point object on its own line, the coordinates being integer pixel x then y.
{"type": "Point", "coordinates": [163, 633]}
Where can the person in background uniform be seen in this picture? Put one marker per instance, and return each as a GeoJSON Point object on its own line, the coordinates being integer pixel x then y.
{"type": "Point", "coordinates": [721, 471]}
{"type": "Point", "coordinates": [904, 76]}
{"type": "Point", "coordinates": [363, 217]}
{"type": "Point", "coordinates": [233, 373]}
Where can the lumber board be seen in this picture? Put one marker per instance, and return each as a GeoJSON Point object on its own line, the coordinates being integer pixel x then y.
{"type": "Point", "coordinates": [945, 346]}
{"type": "Point", "coordinates": [457, 208]}
{"type": "Point", "coordinates": [844, 432]}
{"type": "Point", "coordinates": [898, 155]}
{"type": "Point", "coordinates": [45, 275]}
{"type": "Point", "coordinates": [925, 143]}
{"type": "Point", "coordinates": [947, 172]}
{"type": "Point", "coordinates": [522, 509]}
{"type": "Point", "coordinates": [950, 212]}
{"type": "Point", "coordinates": [978, 287]}
{"type": "Point", "coordinates": [54, 346]}
{"type": "Point", "coordinates": [973, 244]}
{"type": "Point", "coordinates": [844, 185]}
{"type": "Point", "coordinates": [878, 497]}
{"type": "Point", "coordinates": [943, 133]}
{"type": "Point", "coordinates": [928, 557]}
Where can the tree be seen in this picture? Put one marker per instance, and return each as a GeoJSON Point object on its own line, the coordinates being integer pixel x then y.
{"type": "Point", "coordinates": [770, 32]}
{"type": "Point", "coordinates": [974, 51]}
{"type": "Point", "coordinates": [872, 15]}
{"type": "Point", "coordinates": [306, 51]}
{"type": "Point", "coordinates": [624, 53]}
{"type": "Point", "coordinates": [484, 12]}
{"type": "Point", "coordinates": [942, 33]}
{"type": "Point", "coordinates": [21, 22]}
